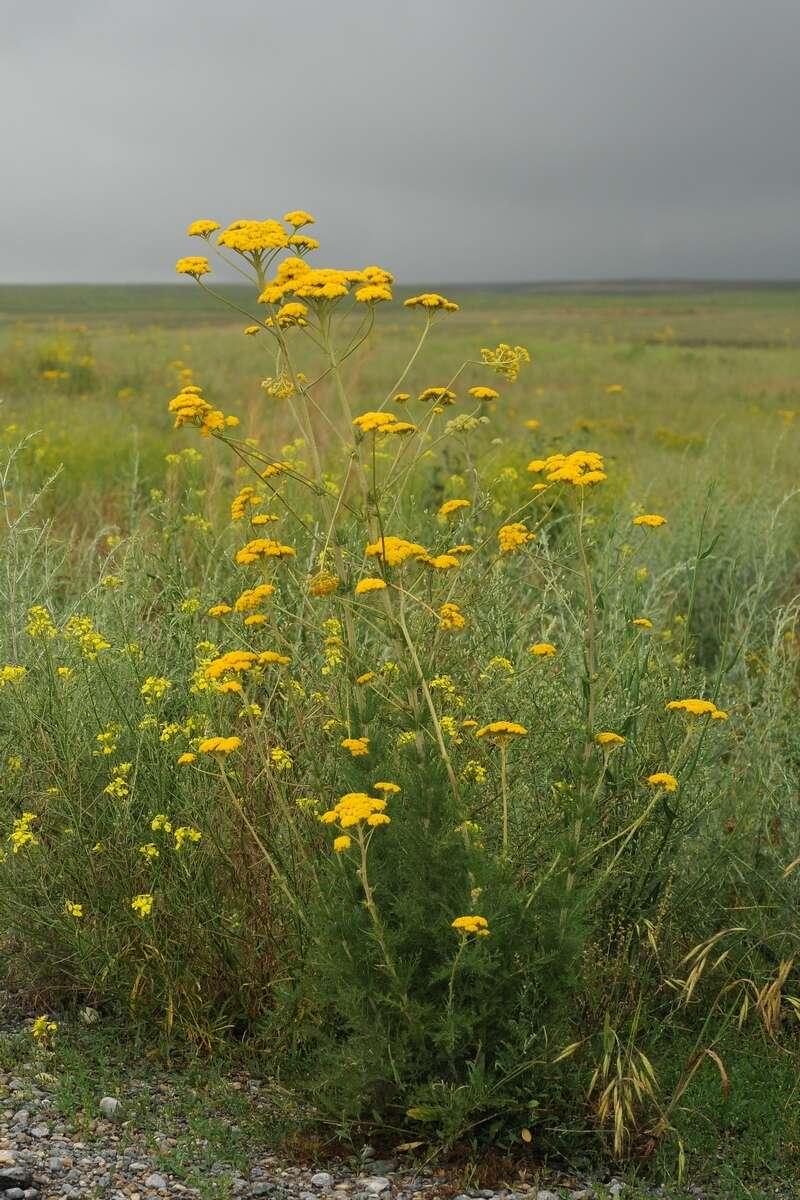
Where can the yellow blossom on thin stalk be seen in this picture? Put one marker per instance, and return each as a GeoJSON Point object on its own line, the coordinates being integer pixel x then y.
{"type": "Point", "coordinates": [142, 904]}
{"type": "Point", "coordinates": [663, 779]}
{"type": "Point", "coordinates": [471, 924]}
{"type": "Point", "coordinates": [357, 746]}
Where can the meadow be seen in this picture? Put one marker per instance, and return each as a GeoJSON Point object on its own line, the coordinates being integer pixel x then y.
{"type": "Point", "coordinates": [440, 747]}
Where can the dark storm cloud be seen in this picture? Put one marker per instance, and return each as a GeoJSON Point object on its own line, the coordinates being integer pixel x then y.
{"type": "Point", "coordinates": [451, 140]}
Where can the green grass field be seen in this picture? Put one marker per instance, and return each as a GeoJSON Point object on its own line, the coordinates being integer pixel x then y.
{"type": "Point", "coordinates": [598, 895]}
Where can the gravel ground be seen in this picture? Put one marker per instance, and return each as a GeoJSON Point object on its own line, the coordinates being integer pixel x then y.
{"type": "Point", "coordinates": [105, 1149]}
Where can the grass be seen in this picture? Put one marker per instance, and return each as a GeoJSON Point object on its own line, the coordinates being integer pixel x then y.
{"type": "Point", "coordinates": [599, 898]}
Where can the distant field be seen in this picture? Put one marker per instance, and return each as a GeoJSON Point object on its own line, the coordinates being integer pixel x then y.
{"type": "Point", "coordinates": [708, 378]}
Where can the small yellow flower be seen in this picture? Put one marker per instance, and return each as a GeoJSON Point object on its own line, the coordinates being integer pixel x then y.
{"type": "Point", "coordinates": [185, 759]}
{"type": "Point", "coordinates": [369, 585]}
{"type": "Point", "coordinates": [72, 909]}
{"type": "Point", "coordinates": [342, 843]}
{"type": "Point", "coordinates": [471, 924]}
{"type": "Point", "coordinates": [651, 520]}
{"type": "Point", "coordinates": [643, 622]}
{"type": "Point", "coordinates": [609, 739]}
{"type": "Point", "coordinates": [543, 649]}
{"type": "Point", "coordinates": [451, 506]}
{"type": "Point", "coordinates": [357, 746]}
{"type": "Point", "coordinates": [662, 779]}
{"type": "Point", "coordinates": [219, 745]}
{"type": "Point", "coordinates": [501, 733]}
{"type": "Point", "coordinates": [142, 904]}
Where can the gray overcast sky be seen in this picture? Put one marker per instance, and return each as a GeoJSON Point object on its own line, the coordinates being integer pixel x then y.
{"type": "Point", "coordinates": [448, 140]}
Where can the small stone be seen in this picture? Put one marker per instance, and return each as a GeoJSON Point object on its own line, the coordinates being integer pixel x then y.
{"type": "Point", "coordinates": [39, 1131]}
{"type": "Point", "coordinates": [7, 1159]}
{"type": "Point", "coordinates": [545, 1195]}
{"type": "Point", "coordinates": [376, 1185]}
{"type": "Point", "coordinates": [14, 1194]}
{"type": "Point", "coordinates": [322, 1180]}
{"type": "Point", "coordinates": [262, 1189]}
{"type": "Point", "coordinates": [15, 1177]}
{"type": "Point", "coordinates": [381, 1166]}
{"type": "Point", "coordinates": [110, 1107]}
{"type": "Point", "coordinates": [156, 1181]}
{"type": "Point", "coordinates": [615, 1187]}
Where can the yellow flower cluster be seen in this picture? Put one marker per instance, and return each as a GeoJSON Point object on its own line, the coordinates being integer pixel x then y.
{"type": "Point", "coordinates": [382, 422]}
{"type": "Point", "coordinates": [663, 779]}
{"type": "Point", "coordinates": [501, 733]}
{"type": "Point", "coordinates": [431, 301]}
{"type": "Point", "coordinates": [80, 630]}
{"type": "Point", "coordinates": [511, 537]}
{"type": "Point", "coordinates": [219, 745]}
{"type": "Point", "coordinates": [484, 393]}
{"type": "Point", "coordinates": [394, 551]}
{"type": "Point", "coordinates": [154, 687]}
{"type": "Point", "coordinates": [193, 266]}
{"type": "Point", "coordinates": [651, 520]}
{"type": "Point", "coordinates": [40, 623]}
{"type": "Point", "coordinates": [263, 548]}
{"type": "Point", "coordinates": [699, 708]}
{"type": "Point", "coordinates": [609, 739]}
{"type": "Point", "coordinates": [542, 649]}
{"type": "Point", "coordinates": [471, 924]}
{"type": "Point", "coordinates": [246, 497]}
{"type": "Point", "coordinates": [354, 808]}
{"type": "Point", "coordinates": [11, 674]}
{"type": "Point", "coordinates": [142, 904]}
{"type": "Point", "coordinates": [451, 617]}
{"type": "Point", "coordinates": [506, 360]}
{"type": "Point", "coordinates": [190, 408]}
{"type": "Point", "coordinates": [451, 506]}
{"type": "Point", "coordinates": [581, 468]}
{"type": "Point", "coordinates": [358, 747]}
{"type": "Point", "coordinates": [369, 585]}
{"type": "Point", "coordinates": [21, 834]}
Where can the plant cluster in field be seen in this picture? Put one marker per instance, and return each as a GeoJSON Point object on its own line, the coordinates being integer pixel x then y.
{"type": "Point", "coordinates": [404, 765]}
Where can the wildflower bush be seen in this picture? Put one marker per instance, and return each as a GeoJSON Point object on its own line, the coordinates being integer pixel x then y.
{"type": "Point", "coordinates": [433, 776]}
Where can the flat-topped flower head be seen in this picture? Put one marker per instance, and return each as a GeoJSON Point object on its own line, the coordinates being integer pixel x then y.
{"type": "Point", "coordinates": [439, 562]}
{"type": "Point", "coordinates": [374, 422]}
{"type": "Point", "coordinates": [663, 779]}
{"type": "Point", "coordinates": [471, 924]}
{"type": "Point", "coordinates": [194, 266]}
{"type": "Point", "coordinates": [358, 747]}
{"type": "Point", "coordinates": [501, 733]}
{"type": "Point", "coordinates": [542, 649]}
{"type": "Point", "coordinates": [202, 228]}
{"type": "Point", "coordinates": [581, 468]}
{"type": "Point", "coordinates": [431, 302]}
{"type": "Point", "coordinates": [263, 548]}
{"type": "Point", "coordinates": [357, 808]}
{"type": "Point", "coordinates": [219, 745]}
{"type": "Point", "coordinates": [697, 708]}
{"type": "Point", "coordinates": [651, 520]}
{"type": "Point", "coordinates": [254, 237]}
{"type": "Point", "coordinates": [387, 788]}
{"type": "Point", "coordinates": [484, 393]}
{"type": "Point", "coordinates": [231, 663]}
{"type": "Point", "coordinates": [609, 740]}
{"type": "Point", "coordinates": [394, 551]}
{"type": "Point", "coordinates": [439, 395]}
{"type": "Point", "coordinates": [451, 506]}
{"type": "Point", "coordinates": [298, 217]}
{"type": "Point", "coordinates": [373, 293]}
{"type": "Point", "coordinates": [642, 622]}
{"type": "Point", "coordinates": [364, 586]}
